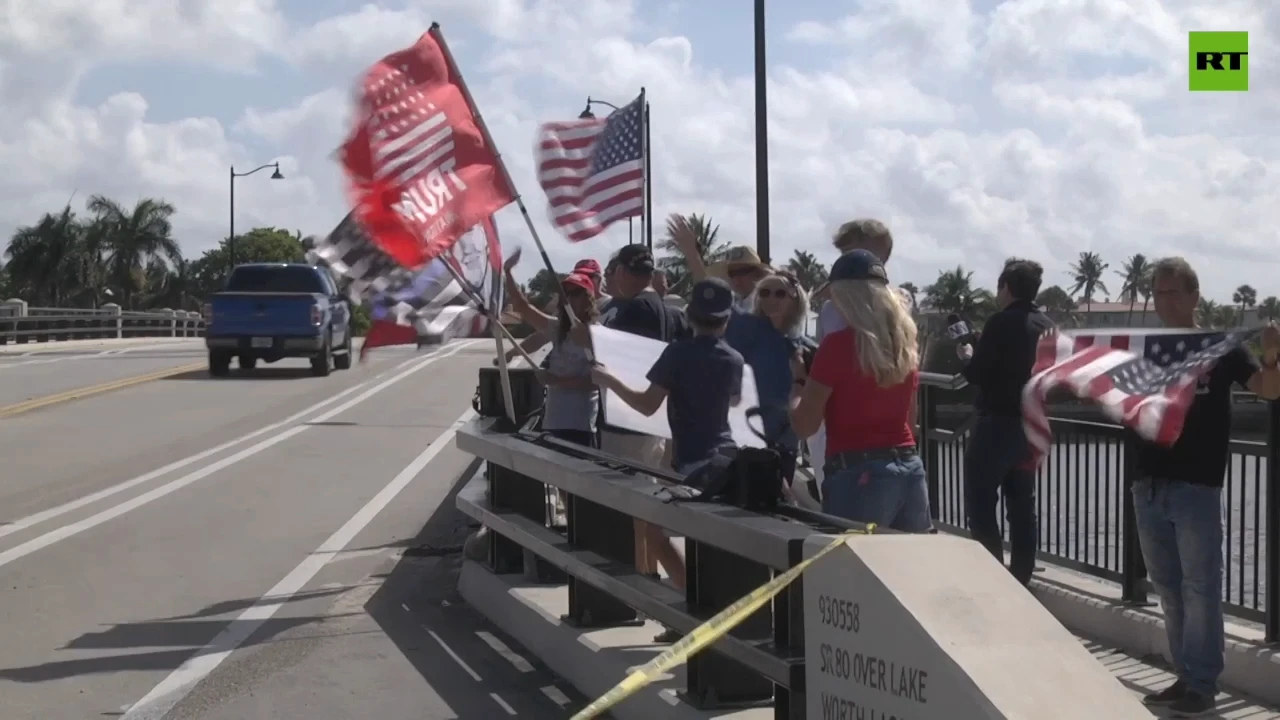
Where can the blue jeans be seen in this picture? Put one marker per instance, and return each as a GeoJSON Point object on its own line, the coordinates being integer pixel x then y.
{"type": "Point", "coordinates": [889, 493]}
{"type": "Point", "coordinates": [996, 462]}
{"type": "Point", "coordinates": [1180, 531]}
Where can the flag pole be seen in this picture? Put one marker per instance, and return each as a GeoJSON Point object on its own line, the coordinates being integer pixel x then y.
{"type": "Point", "coordinates": [488, 138]}
{"type": "Point", "coordinates": [648, 179]}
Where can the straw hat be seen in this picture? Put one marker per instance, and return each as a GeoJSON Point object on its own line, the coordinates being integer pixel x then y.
{"type": "Point", "coordinates": [739, 256]}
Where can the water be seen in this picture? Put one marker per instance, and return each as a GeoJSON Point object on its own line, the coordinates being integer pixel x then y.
{"type": "Point", "coordinates": [1082, 521]}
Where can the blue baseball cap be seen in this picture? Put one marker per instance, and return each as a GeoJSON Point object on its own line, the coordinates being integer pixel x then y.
{"type": "Point", "coordinates": [711, 299]}
{"type": "Point", "coordinates": [858, 265]}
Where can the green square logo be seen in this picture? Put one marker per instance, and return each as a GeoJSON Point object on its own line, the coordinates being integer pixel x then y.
{"type": "Point", "coordinates": [1219, 61]}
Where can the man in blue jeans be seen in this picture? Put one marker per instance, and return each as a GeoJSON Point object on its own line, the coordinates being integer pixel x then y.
{"type": "Point", "coordinates": [998, 459]}
{"type": "Point", "coordinates": [1177, 499]}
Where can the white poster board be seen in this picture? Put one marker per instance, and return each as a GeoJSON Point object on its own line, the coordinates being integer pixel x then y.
{"type": "Point", "coordinates": [629, 358]}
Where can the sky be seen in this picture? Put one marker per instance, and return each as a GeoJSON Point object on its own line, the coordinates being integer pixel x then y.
{"type": "Point", "coordinates": [976, 129]}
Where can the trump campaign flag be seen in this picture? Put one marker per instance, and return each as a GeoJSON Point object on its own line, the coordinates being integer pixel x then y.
{"type": "Point", "coordinates": [592, 170]}
{"type": "Point", "coordinates": [419, 164]}
{"type": "Point", "coordinates": [1143, 379]}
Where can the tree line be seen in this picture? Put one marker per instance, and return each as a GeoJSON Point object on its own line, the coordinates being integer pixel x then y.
{"type": "Point", "coordinates": [110, 252]}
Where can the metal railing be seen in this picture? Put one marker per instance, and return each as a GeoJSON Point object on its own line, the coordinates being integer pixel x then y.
{"type": "Point", "coordinates": [1085, 508]}
{"type": "Point", "coordinates": [1086, 525]}
{"type": "Point", "coordinates": [20, 324]}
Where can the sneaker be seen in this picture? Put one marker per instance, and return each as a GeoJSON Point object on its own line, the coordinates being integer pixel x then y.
{"type": "Point", "coordinates": [1167, 696]}
{"type": "Point", "coordinates": [1192, 704]}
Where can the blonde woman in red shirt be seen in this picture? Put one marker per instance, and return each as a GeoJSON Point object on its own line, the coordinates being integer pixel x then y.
{"type": "Point", "coordinates": [863, 387]}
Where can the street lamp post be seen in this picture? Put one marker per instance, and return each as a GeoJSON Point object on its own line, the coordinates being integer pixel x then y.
{"type": "Point", "coordinates": [762, 138]}
{"type": "Point", "coordinates": [231, 238]}
{"type": "Point", "coordinates": [648, 183]}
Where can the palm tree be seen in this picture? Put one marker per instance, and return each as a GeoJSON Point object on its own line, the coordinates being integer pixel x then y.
{"type": "Point", "coordinates": [709, 247]}
{"type": "Point", "coordinates": [1226, 317]}
{"type": "Point", "coordinates": [1269, 308]}
{"type": "Point", "coordinates": [1086, 273]}
{"type": "Point", "coordinates": [1246, 297]}
{"type": "Point", "coordinates": [953, 292]}
{"type": "Point", "coordinates": [809, 271]}
{"type": "Point", "coordinates": [1207, 311]}
{"type": "Point", "coordinates": [1137, 275]}
{"type": "Point", "coordinates": [130, 240]}
{"type": "Point", "coordinates": [50, 262]}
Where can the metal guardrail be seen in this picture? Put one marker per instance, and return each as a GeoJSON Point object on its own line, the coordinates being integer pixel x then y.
{"type": "Point", "coordinates": [730, 551]}
{"type": "Point", "coordinates": [20, 324]}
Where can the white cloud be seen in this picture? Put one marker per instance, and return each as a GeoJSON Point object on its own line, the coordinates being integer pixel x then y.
{"type": "Point", "coordinates": [1040, 128]}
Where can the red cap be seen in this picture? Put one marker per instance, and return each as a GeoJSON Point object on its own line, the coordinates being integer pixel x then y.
{"type": "Point", "coordinates": [588, 267]}
{"type": "Point", "coordinates": [581, 280]}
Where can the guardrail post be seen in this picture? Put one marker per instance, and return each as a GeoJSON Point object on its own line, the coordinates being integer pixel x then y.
{"type": "Point", "coordinates": [1271, 602]}
{"type": "Point", "coordinates": [173, 320]}
{"type": "Point", "coordinates": [607, 533]}
{"type": "Point", "coordinates": [1133, 584]}
{"type": "Point", "coordinates": [10, 311]}
{"type": "Point", "coordinates": [930, 449]}
{"type": "Point", "coordinates": [789, 703]}
{"type": "Point", "coordinates": [715, 579]}
{"type": "Point", "coordinates": [112, 311]}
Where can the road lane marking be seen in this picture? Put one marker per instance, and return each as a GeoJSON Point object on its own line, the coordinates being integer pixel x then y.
{"type": "Point", "coordinates": [96, 352]}
{"type": "Point", "coordinates": [557, 697]}
{"type": "Point", "coordinates": [450, 652]}
{"type": "Point", "coordinates": [501, 648]}
{"type": "Point", "coordinates": [163, 697]}
{"type": "Point", "coordinates": [498, 699]}
{"type": "Point", "coordinates": [53, 536]}
{"type": "Point", "coordinates": [78, 393]}
{"type": "Point", "coordinates": [51, 513]}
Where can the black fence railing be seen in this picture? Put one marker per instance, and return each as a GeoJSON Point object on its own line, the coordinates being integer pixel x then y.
{"type": "Point", "coordinates": [1086, 510]}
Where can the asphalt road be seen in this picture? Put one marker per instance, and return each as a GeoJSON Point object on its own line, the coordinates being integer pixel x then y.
{"type": "Point", "coordinates": [244, 548]}
{"type": "Point", "coordinates": [52, 368]}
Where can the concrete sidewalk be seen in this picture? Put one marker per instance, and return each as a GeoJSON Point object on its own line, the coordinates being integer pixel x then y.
{"type": "Point", "coordinates": [91, 345]}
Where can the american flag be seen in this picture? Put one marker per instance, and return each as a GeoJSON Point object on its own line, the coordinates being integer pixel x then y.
{"type": "Point", "coordinates": [593, 170]}
{"type": "Point", "coordinates": [1144, 380]}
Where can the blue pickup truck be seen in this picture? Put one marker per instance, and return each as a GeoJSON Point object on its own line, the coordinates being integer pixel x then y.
{"type": "Point", "coordinates": [270, 311]}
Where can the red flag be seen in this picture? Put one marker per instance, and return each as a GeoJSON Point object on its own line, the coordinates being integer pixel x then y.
{"type": "Point", "coordinates": [421, 172]}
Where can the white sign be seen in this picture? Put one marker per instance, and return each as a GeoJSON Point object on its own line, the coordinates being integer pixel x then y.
{"type": "Point", "coordinates": [629, 358]}
{"type": "Point", "coordinates": [931, 627]}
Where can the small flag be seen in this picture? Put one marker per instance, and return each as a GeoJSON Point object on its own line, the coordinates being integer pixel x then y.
{"type": "Point", "coordinates": [593, 170]}
{"type": "Point", "coordinates": [1145, 380]}
{"type": "Point", "coordinates": [420, 170]}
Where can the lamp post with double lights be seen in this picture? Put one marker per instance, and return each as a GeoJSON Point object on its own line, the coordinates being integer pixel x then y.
{"type": "Point", "coordinates": [648, 182]}
{"type": "Point", "coordinates": [231, 239]}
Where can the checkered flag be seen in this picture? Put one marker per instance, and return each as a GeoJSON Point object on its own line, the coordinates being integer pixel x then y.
{"type": "Point", "coordinates": [361, 268]}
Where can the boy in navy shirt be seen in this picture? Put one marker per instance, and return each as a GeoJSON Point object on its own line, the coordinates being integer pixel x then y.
{"type": "Point", "coordinates": [699, 378]}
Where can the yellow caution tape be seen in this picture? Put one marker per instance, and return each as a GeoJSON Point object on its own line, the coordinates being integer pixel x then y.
{"type": "Point", "coordinates": [707, 633]}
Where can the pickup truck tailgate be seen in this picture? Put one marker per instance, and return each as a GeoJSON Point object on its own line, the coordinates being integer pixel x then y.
{"type": "Point", "coordinates": [266, 314]}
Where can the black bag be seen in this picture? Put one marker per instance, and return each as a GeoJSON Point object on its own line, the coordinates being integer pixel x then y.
{"type": "Point", "coordinates": [750, 479]}
{"type": "Point", "coordinates": [526, 393]}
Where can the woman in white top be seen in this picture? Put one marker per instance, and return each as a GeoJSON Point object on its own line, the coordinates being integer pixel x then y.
{"type": "Point", "coordinates": [573, 400]}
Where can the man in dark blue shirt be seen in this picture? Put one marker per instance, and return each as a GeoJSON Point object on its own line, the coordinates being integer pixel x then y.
{"type": "Point", "coordinates": [700, 379]}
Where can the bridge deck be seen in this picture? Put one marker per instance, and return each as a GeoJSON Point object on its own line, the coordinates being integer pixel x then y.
{"type": "Point", "coordinates": [243, 548]}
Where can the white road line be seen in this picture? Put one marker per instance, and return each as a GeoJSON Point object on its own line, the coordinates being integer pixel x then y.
{"type": "Point", "coordinates": [498, 699]}
{"type": "Point", "coordinates": [456, 658]}
{"type": "Point", "coordinates": [556, 696]}
{"type": "Point", "coordinates": [501, 648]}
{"type": "Point", "coordinates": [51, 513]}
{"type": "Point", "coordinates": [92, 354]}
{"type": "Point", "coordinates": [163, 697]}
{"type": "Point", "coordinates": [53, 536]}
